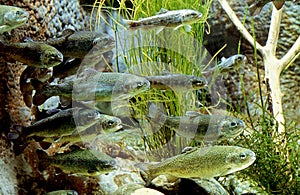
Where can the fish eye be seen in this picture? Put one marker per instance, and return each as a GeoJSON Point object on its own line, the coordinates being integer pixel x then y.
{"type": "Point", "coordinates": [111, 123]}
{"type": "Point", "coordinates": [139, 84]}
{"type": "Point", "coordinates": [233, 124]}
{"type": "Point", "coordinates": [243, 156]}
{"type": "Point", "coordinates": [17, 12]}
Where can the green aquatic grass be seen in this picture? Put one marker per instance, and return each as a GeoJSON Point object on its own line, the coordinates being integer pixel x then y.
{"type": "Point", "coordinates": [180, 53]}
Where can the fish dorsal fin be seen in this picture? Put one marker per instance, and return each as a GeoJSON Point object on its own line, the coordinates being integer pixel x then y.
{"type": "Point", "coordinates": [67, 32]}
{"type": "Point", "coordinates": [27, 39]}
{"type": "Point", "coordinates": [188, 149]}
{"type": "Point", "coordinates": [193, 113]}
{"type": "Point", "coordinates": [162, 11]}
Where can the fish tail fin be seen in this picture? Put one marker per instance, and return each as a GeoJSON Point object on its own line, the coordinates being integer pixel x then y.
{"type": "Point", "coordinates": [43, 162]}
{"type": "Point", "coordinates": [145, 172]}
{"type": "Point", "coordinates": [39, 97]}
{"type": "Point", "coordinates": [154, 113]}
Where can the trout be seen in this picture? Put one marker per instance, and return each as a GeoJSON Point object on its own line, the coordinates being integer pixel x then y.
{"type": "Point", "coordinates": [206, 162]}
{"type": "Point", "coordinates": [12, 17]}
{"type": "Point", "coordinates": [78, 161]}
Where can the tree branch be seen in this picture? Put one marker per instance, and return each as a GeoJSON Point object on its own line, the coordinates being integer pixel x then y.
{"type": "Point", "coordinates": [286, 59]}
{"type": "Point", "coordinates": [274, 29]}
{"type": "Point", "coordinates": [231, 14]}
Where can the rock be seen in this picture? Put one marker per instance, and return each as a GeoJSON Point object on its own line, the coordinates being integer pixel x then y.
{"type": "Point", "coordinates": [136, 189]}
{"type": "Point", "coordinates": [111, 182]}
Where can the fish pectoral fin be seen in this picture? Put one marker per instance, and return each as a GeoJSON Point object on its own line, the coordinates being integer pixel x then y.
{"type": "Point", "coordinates": [67, 32]}
{"type": "Point", "coordinates": [188, 28]}
{"type": "Point", "coordinates": [188, 149]}
{"type": "Point", "coordinates": [192, 114]}
{"type": "Point", "coordinates": [179, 26]}
{"type": "Point", "coordinates": [159, 30]}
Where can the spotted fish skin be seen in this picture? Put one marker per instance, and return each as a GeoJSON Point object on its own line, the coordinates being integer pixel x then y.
{"type": "Point", "coordinates": [35, 54]}
{"type": "Point", "coordinates": [77, 44]}
{"type": "Point", "coordinates": [177, 82]}
{"type": "Point", "coordinates": [78, 161]}
{"type": "Point", "coordinates": [206, 162]}
{"type": "Point", "coordinates": [96, 86]}
{"type": "Point", "coordinates": [166, 18]}
{"type": "Point", "coordinates": [12, 17]}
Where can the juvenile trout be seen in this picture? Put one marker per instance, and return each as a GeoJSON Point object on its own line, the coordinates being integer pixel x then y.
{"type": "Point", "coordinates": [63, 123]}
{"type": "Point", "coordinates": [199, 127]}
{"type": "Point", "coordinates": [35, 54]}
{"type": "Point", "coordinates": [206, 162]}
{"type": "Point", "coordinates": [176, 82]}
{"type": "Point", "coordinates": [78, 44]}
{"type": "Point", "coordinates": [97, 86]}
{"type": "Point", "coordinates": [106, 125]}
{"type": "Point", "coordinates": [165, 18]}
{"type": "Point", "coordinates": [78, 161]}
{"type": "Point", "coordinates": [226, 65]}
{"type": "Point", "coordinates": [12, 17]}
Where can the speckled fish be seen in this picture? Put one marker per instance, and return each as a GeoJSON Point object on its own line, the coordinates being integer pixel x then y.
{"type": "Point", "coordinates": [63, 123]}
{"type": "Point", "coordinates": [165, 18]}
{"type": "Point", "coordinates": [78, 44]}
{"type": "Point", "coordinates": [176, 82]}
{"type": "Point", "coordinates": [226, 65]}
{"type": "Point", "coordinates": [35, 54]}
{"type": "Point", "coordinates": [62, 192]}
{"type": "Point", "coordinates": [206, 162]}
{"type": "Point", "coordinates": [255, 6]}
{"type": "Point", "coordinates": [78, 161]}
{"type": "Point", "coordinates": [199, 127]}
{"type": "Point", "coordinates": [12, 17]}
{"type": "Point", "coordinates": [97, 86]}
{"type": "Point", "coordinates": [106, 125]}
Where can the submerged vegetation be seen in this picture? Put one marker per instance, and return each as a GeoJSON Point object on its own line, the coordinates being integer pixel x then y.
{"type": "Point", "coordinates": [277, 166]}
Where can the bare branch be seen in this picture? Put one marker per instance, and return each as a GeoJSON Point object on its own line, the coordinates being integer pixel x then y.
{"type": "Point", "coordinates": [274, 30]}
{"type": "Point", "coordinates": [286, 59]}
{"type": "Point", "coordinates": [231, 14]}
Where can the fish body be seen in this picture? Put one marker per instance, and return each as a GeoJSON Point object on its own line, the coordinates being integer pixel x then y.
{"type": "Point", "coordinates": [176, 82]}
{"type": "Point", "coordinates": [255, 6]}
{"type": "Point", "coordinates": [12, 17]}
{"type": "Point", "coordinates": [98, 86]}
{"type": "Point", "coordinates": [35, 54]}
{"type": "Point", "coordinates": [106, 125]}
{"type": "Point", "coordinates": [63, 123]}
{"type": "Point", "coordinates": [78, 161]}
{"type": "Point", "coordinates": [165, 18]}
{"type": "Point", "coordinates": [78, 44]}
{"type": "Point", "coordinates": [200, 127]}
{"type": "Point", "coordinates": [226, 65]}
{"type": "Point", "coordinates": [62, 192]}
{"type": "Point", "coordinates": [206, 162]}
